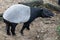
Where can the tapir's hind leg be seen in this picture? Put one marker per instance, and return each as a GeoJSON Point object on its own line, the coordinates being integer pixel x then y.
{"type": "Point", "coordinates": [7, 26]}
{"type": "Point", "coordinates": [8, 29]}
{"type": "Point", "coordinates": [13, 26]}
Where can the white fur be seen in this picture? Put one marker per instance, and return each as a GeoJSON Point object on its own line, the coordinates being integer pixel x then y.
{"type": "Point", "coordinates": [17, 13]}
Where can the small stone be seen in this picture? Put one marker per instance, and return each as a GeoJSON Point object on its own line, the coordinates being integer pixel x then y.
{"type": "Point", "coordinates": [38, 36]}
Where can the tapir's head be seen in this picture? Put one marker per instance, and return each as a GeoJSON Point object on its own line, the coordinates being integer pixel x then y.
{"type": "Point", "coordinates": [45, 13]}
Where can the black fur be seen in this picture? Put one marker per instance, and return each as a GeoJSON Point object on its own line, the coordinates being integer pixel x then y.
{"type": "Point", "coordinates": [35, 13]}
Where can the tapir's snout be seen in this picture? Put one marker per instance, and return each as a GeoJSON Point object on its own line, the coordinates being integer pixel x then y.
{"type": "Point", "coordinates": [47, 13]}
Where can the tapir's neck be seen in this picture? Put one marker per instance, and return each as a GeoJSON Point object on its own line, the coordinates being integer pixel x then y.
{"type": "Point", "coordinates": [35, 12]}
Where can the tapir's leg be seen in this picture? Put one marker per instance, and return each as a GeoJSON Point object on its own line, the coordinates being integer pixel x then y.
{"type": "Point", "coordinates": [7, 26]}
{"type": "Point", "coordinates": [13, 26]}
{"type": "Point", "coordinates": [25, 25]}
{"type": "Point", "coordinates": [8, 29]}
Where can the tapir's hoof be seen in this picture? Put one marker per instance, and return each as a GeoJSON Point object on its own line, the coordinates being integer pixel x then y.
{"type": "Point", "coordinates": [28, 28]}
{"type": "Point", "coordinates": [22, 33]}
{"type": "Point", "coordinates": [8, 34]}
{"type": "Point", "coordinates": [13, 34]}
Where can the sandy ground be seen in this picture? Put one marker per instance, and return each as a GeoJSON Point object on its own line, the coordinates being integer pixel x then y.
{"type": "Point", "coordinates": [40, 29]}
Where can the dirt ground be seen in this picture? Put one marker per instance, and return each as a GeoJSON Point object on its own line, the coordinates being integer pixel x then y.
{"type": "Point", "coordinates": [40, 29]}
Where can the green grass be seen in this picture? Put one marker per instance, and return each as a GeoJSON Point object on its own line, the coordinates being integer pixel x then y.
{"type": "Point", "coordinates": [58, 30]}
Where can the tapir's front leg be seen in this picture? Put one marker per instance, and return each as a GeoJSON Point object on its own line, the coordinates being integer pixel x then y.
{"type": "Point", "coordinates": [25, 25]}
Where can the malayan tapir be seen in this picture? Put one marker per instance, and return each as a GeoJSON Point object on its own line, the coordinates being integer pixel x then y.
{"type": "Point", "coordinates": [19, 13]}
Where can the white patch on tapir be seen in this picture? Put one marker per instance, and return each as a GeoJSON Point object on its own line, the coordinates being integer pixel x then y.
{"type": "Point", "coordinates": [17, 13]}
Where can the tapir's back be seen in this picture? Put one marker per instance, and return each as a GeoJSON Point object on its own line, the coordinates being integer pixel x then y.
{"type": "Point", "coordinates": [17, 13]}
